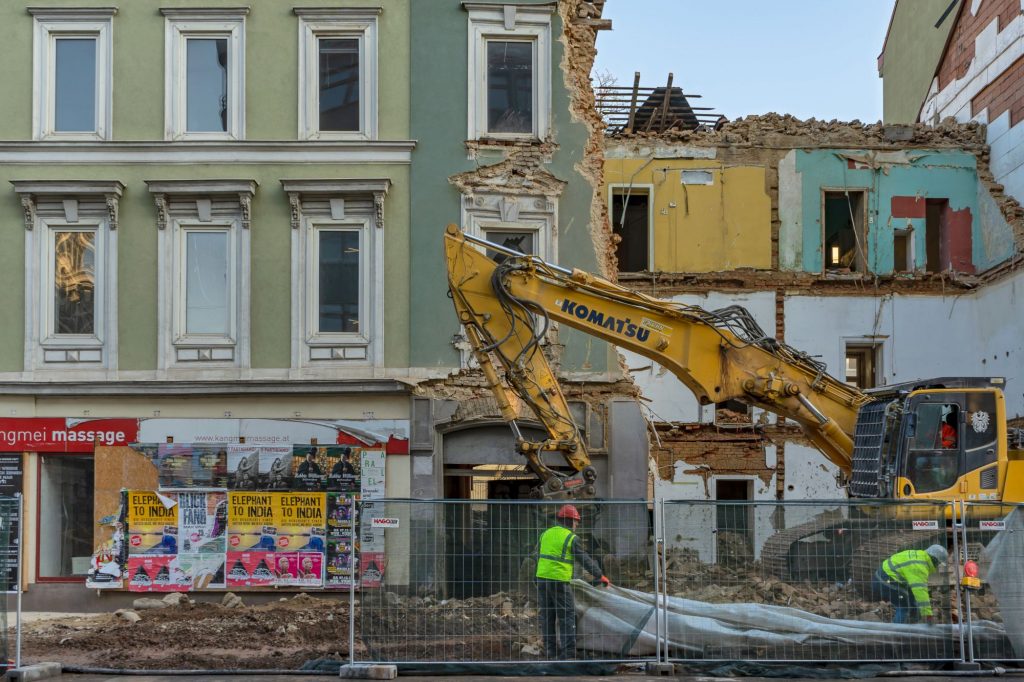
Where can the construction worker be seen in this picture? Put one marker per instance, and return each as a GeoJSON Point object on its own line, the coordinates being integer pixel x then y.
{"type": "Point", "coordinates": [902, 580]}
{"type": "Point", "coordinates": [559, 552]}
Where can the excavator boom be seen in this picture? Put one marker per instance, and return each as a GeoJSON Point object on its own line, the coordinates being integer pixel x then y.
{"type": "Point", "coordinates": [506, 303]}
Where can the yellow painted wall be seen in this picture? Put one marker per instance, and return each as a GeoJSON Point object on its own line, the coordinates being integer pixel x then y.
{"type": "Point", "coordinates": [701, 228]}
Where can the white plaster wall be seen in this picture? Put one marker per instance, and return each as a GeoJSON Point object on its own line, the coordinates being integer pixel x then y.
{"type": "Point", "coordinates": [972, 334]}
{"type": "Point", "coordinates": [1007, 156]}
{"type": "Point", "coordinates": [809, 476]}
{"type": "Point", "coordinates": [791, 211]}
{"type": "Point", "coordinates": [670, 400]}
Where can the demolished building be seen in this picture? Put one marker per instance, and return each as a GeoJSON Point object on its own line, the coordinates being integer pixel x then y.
{"type": "Point", "coordinates": [888, 252]}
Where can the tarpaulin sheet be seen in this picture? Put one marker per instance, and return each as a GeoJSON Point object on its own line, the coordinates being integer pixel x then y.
{"type": "Point", "coordinates": [621, 622]}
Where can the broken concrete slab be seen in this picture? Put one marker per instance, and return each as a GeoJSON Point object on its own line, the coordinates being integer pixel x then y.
{"type": "Point", "coordinates": [38, 671]}
{"type": "Point", "coordinates": [128, 615]}
{"type": "Point", "coordinates": [143, 603]}
{"type": "Point", "coordinates": [368, 671]}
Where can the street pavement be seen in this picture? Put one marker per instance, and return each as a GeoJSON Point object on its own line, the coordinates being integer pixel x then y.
{"type": "Point", "coordinates": [470, 678]}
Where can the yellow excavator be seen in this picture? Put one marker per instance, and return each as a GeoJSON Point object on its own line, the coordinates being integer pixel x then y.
{"type": "Point", "coordinates": [937, 439]}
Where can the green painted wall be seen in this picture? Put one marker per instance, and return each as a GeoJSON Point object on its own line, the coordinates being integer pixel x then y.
{"type": "Point", "coordinates": [910, 56]}
{"type": "Point", "coordinates": [440, 98]}
{"type": "Point", "coordinates": [271, 113]}
{"type": "Point", "coordinates": [271, 73]}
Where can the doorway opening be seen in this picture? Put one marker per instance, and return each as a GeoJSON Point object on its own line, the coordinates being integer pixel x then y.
{"type": "Point", "coordinates": [631, 222]}
{"type": "Point", "coordinates": [844, 238]}
{"type": "Point", "coordinates": [734, 523]}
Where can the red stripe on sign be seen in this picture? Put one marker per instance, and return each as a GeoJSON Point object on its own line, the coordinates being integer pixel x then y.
{"type": "Point", "coordinates": [56, 434]}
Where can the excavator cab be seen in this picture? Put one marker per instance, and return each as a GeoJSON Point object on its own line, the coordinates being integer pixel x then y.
{"type": "Point", "coordinates": [938, 439]}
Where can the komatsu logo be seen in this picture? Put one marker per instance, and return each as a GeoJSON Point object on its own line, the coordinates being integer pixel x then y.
{"type": "Point", "coordinates": [626, 327]}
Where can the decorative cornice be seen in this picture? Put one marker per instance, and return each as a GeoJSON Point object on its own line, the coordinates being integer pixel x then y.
{"type": "Point", "coordinates": [199, 388]}
{"type": "Point", "coordinates": [76, 13]}
{"type": "Point", "coordinates": [235, 153]}
{"type": "Point", "coordinates": [31, 190]}
{"type": "Point", "coordinates": [296, 188]}
{"type": "Point", "coordinates": [337, 12]}
{"type": "Point", "coordinates": [179, 13]}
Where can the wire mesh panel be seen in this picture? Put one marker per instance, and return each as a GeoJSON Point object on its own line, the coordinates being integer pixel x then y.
{"type": "Point", "coordinates": [994, 543]}
{"type": "Point", "coordinates": [805, 581]}
{"type": "Point", "coordinates": [459, 582]}
{"type": "Point", "coordinates": [9, 558]}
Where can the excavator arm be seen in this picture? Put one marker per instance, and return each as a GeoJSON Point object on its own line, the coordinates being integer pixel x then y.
{"type": "Point", "coordinates": [506, 307]}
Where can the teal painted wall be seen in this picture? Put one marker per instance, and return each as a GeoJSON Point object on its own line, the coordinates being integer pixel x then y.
{"type": "Point", "coordinates": [440, 97]}
{"type": "Point", "coordinates": [928, 174]}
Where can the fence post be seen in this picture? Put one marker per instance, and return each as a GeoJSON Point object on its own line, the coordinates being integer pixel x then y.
{"type": "Point", "coordinates": [21, 551]}
{"type": "Point", "coordinates": [656, 569]}
{"type": "Point", "coordinates": [356, 520]}
{"type": "Point", "coordinates": [663, 567]}
{"type": "Point", "coordinates": [967, 593]}
{"type": "Point", "coordinates": [957, 521]}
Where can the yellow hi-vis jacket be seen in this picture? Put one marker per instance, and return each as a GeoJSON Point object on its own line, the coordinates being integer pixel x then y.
{"type": "Point", "coordinates": [911, 569]}
{"type": "Point", "coordinates": [555, 560]}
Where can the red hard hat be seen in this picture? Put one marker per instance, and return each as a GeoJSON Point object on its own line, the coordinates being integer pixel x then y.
{"type": "Point", "coordinates": [568, 512]}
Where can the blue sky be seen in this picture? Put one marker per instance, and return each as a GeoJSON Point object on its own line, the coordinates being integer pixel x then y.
{"type": "Point", "coordinates": [803, 57]}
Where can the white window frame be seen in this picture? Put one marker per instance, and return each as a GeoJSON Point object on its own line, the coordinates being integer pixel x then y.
{"type": "Point", "coordinates": [353, 23]}
{"type": "Point", "coordinates": [182, 228]}
{"type": "Point", "coordinates": [509, 23]}
{"type": "Point", "coordinates": [314, 227]}
{"type": "Point", "coordinates": [315, 353]}
{"type": "Point", "coordinates": [210, 355]}
{"type": "Point", "coordinates": [182, 25]}
{"type": "Point", "coordinates": [50, 24]}
{"type": "Point", "coordinates": [46, 350]}
{"type": "Point", "coordinates": [486, 211]}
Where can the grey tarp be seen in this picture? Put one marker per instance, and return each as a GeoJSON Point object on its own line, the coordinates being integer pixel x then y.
{"type": "Point", "coordinates": [620, 621]}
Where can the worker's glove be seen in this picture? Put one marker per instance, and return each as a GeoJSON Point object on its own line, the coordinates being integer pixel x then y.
{"type": "Point", "coordinates": [605, 581]}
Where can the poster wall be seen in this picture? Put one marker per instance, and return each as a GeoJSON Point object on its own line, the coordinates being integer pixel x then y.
{"type": "Point", "coordinates": [233, 515]}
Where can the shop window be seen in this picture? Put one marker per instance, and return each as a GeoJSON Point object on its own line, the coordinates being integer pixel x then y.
{"type": "Point", "coordinates": [337, 73]}
{"type": "Point", "coordinates": [862, 365]}
{"type": "Point", "coordinates": [65, 516]}
{"type": "Point", "coordinates": [509, 71]}
{"type": "Point", "coordinates": [203, 272]}
{"type": "Point", "coordinates": [71, 239]}
{"type": "Point", "coordinates": [631, 221]}
{"type": "Point", "coordinates": [845, 239]}
{"type": "Point", "coordinates": [337, 268]}
{"type": "Point", "coordinates": [205, 73]}
{"type": "Point", "coordinates": [72, 72]}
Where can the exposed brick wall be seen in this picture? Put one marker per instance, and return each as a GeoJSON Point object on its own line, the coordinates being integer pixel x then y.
{"type": "Point", "coordinates": [960, 50]}
{"type": "Point", "coordinates": [1005, 92]}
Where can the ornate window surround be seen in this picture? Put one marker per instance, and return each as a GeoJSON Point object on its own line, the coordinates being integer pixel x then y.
{"type": "Point", "coordinates": [48, 206]}
{"type": "Point", "coordinates": [182, 206]}
{"type": "Point", "coordinates": [344, 204]}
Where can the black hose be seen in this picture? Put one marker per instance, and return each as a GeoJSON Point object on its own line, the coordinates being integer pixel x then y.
{"type": "Point", "coordinates": [82, 670]}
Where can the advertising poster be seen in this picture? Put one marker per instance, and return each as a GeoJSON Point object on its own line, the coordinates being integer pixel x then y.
{"type": "Point", "coordinates": [243, 467]}
{"type": "Point", "coordinates": [251, 521]}
{"type": "Point", "coordinates": [372, 478]}
{"type": "Point", "coordinates": [156, 573]}
{"type": "Point", "coordinates": [209, 465]}
{"type": "Point", "coordinates": [299, 521]}
{"type": "Point", "coordinates": [309, 466]}
{"type": "Point", "coordinates": [299, 569]}
{"type": "Point", "coordinates": [202, 521]}
{"type": "Point", "coordinates": [346, 463]}
{"type": "Point", "coordinates": [250, 569]}
{"type": "Point", "coordinates": [152, 523]}
{"type": "Point", "coordinates": [174, 463]}
{"type": "Point", "coordinates": [106, 568]}
{"type": "Point", "coordinates": [275, 467]}
{"type": "Point", "coordinates": [341, 511]}
{"type": "Point", "coordinates": [372, 565]}
{"type": "Point", "coordinates": [202, 571]}
{"type": "Point", "coordinates": [340, 553]}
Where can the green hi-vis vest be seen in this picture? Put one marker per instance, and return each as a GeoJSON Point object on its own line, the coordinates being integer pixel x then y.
{"type": "Point", "coordinates": [555, 560]}
{"type": "Point", "coordinates": [911, 569]}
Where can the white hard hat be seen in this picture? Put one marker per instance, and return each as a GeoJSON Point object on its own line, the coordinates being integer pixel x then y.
{"type": "Point", "coordinates": [938, 553]}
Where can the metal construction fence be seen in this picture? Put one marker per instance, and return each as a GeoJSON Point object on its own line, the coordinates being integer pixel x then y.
{"type": "Point", "coordinates": [455, 581]}
{"type": "Point", "coordinates": [11, 517]}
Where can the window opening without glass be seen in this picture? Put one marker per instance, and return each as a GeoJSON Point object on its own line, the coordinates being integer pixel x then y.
{"type": "Point", "coordinates": [845, 240]}
{"type": "Point", "coordinates": [861, 365]}
{"type": "Point", "coordinates": [65, 515]}
{"type": "Point", "coordinates": [631, 222]}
